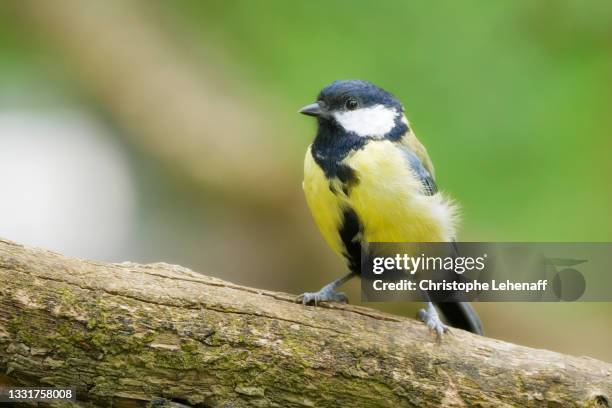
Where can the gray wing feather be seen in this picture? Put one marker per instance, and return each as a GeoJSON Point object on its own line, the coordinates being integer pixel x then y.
{"type": "Point", "coordinates": [429, 185]}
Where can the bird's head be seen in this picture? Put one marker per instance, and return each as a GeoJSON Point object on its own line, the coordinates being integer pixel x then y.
{"type": "Point", "coordinates": [358, 107]}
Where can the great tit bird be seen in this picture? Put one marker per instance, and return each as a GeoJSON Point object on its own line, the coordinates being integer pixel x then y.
{"type": "Point", "coordinates": [367, 178]}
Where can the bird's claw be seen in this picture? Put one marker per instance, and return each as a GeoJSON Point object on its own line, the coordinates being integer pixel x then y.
{"type": "Point", "coordinates": [432, 320]}
{"type": "Point", "coordinates": [324, 295]}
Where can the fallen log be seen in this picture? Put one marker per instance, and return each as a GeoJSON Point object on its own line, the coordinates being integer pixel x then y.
{"type": "Point", "coordinates": [129, 334]}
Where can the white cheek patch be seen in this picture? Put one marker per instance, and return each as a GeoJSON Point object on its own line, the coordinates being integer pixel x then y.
{"type": "Point", "coordinates": [375, 121]}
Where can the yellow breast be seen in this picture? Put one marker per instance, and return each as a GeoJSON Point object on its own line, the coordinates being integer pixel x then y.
{"type": "Point", "coordinates": [387, 199]}
{"type": "Point", "coordinates": [325, 206]}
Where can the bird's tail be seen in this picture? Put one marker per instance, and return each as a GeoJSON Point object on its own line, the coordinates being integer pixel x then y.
{"type": "Point", "coordinates": [461, 315]}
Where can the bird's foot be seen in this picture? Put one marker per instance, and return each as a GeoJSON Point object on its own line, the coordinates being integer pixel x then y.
{"type": "Point", "coordinates": [432, 320]}
{"type": "Point", "coordinates": [326, 294]}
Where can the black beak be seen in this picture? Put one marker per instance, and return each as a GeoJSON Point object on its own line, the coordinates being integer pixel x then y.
{"type": "Point", "coordinates": [314, 109]}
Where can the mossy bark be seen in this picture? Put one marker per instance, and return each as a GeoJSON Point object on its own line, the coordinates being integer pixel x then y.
{"type": "Point", "coordinates": [125, 334]}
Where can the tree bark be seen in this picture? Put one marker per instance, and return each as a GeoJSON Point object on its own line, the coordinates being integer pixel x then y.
{"type": "Point", "coordinates": [126, 334]}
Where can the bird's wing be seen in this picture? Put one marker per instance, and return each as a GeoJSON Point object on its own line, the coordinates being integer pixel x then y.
{"type": "Point", "coordinates": [424, 176]}
{"type": "Point", "coordinates": [414, 144]}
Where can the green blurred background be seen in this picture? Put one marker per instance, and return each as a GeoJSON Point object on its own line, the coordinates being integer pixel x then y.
{"type": "Point", "coordinates": [167, 131]}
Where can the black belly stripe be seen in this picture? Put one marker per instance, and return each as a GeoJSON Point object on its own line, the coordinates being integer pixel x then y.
{"type": "Point", "coordinates": [348, 177]}
{"type": "Point", "coordinates": [349, 232]}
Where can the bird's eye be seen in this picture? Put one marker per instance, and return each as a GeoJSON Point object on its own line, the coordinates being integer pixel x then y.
{"type": "Point", "coordinates": [351, 104]}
